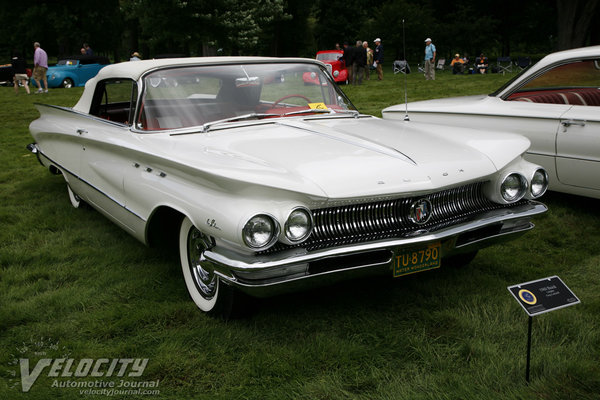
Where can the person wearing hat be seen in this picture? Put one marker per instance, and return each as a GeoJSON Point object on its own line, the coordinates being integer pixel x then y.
{"type": "Point", "coordinates": [378, 58]}
{"type": "Point", "coordinates": [429, 60]}
{"type": "Point", "coordinates": [457, 65]}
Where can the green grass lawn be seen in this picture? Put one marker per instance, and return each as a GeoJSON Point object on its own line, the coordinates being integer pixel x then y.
{"type": "Point", "coordinates": [73, 285]}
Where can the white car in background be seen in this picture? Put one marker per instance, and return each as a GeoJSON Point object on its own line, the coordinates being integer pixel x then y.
{"type": "Point", "coordinates": [555, 103]}
{"type": "Point", "coordinates": [269, 185]}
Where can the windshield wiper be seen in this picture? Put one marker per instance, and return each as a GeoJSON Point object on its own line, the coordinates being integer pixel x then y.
{"type": "Point", "coordinates": [323, 111]}
{"type": "Point", "coordinates": [353, 112]}
{"type": "Point", "coordinates": [206, 127]}
{"type": "Point", "coordinates": [309, 111]}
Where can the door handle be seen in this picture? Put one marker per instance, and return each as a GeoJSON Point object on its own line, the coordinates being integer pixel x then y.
{"type": "Point", "coordinates": [570, 122]}
{"type": "Point", "coordinates": [81, 131]}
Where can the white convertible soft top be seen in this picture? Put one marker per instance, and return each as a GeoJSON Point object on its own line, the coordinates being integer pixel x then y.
{"type": "Point", "coordinates": [135, 69]}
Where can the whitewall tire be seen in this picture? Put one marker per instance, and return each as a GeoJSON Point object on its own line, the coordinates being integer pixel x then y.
{"type": "Point", "coordinates": [203, 285]}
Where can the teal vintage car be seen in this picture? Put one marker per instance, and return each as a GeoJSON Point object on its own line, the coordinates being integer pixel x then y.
{"type": "Point", "coordinates": [75, 70]}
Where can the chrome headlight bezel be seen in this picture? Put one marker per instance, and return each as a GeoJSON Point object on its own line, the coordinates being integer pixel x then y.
{"type": "Point", "coordinates": [251, 227]}
{"type": "Point", "coordinates": [292, 238]}
{"type": "Point", "coordinates": [540, 172]}
{"type": "Point", "coordinates": [523, 186]}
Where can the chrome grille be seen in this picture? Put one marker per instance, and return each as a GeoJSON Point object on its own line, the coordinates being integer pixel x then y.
{"type": "Point", "coordinates": [386, 219]}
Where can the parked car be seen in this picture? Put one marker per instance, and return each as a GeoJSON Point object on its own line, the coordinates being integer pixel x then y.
{"type": "Point", "coordinates": [555, 103]}
{"type": "Point", "coordinates": [75, 70]}
{"type": "Point", "coordinates": [268, 185]}
{"type": "Point", "coordinates": [337, 66]}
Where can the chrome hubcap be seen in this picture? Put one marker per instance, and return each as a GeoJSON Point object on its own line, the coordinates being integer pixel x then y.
{"type": "Point", "coordinates": [204, 279]}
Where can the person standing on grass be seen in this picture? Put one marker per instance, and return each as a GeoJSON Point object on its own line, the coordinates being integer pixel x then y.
{"type": "Point", "coordinates": [369, 60]}
{"type": "Point", "coordinates": [40, 62]}
{"type": "Point", "coordinates": [360, 61]}
{"type": "Point", "coordinates": [378, 59]}
{"type": "Point", "coordinates": [20, 71]}
{"type": "Point", "coordinates": [348, 58]}
{"type": "Point", "coordinates": [429, 60]}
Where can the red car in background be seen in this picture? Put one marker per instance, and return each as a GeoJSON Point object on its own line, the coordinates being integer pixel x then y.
{"type": "Point", "coordinates": [338, 67]}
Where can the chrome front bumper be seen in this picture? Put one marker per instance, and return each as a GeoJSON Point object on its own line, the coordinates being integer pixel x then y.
{"type": "Point", "coordinates": [297, 269]}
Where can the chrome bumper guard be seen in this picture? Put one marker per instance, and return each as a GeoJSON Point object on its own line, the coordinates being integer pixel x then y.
{"type": "Point", "coordinates": [297, 269]}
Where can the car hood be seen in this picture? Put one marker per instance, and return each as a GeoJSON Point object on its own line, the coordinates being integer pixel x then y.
{"type": "Point", "coordinates": [341, 158]}
{"type": "Point", "coordinates": [463, 104]}
{"type": "Point", "coordinates": [482, 105]}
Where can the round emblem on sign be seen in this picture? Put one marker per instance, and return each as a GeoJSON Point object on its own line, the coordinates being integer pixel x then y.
{"type": "Point", "coordinates": [527, 297]}
{"type": "Point", "coordinates": [420, 211]}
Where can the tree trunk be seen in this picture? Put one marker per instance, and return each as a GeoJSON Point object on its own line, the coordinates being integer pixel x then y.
{"type": "Point", "coordinates": [574, 23]}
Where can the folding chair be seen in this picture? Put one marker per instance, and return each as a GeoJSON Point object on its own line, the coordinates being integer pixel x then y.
{"type": "Point", "coordinates": [523, 62]}
{"type": "Point", "coordinates": [440, 64]}
{"type": "Point", "coordinates": [504, 64]}
{"type": "Point", "coordinates": [401, 66]}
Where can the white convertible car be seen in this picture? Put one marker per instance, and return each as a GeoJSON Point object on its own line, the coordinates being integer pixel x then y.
{"type": "Point", "coordinates": [555, 103]}
{"type": "Point", "coordinates": [270, 185]}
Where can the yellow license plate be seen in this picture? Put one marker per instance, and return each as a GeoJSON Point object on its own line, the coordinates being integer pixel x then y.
{"type": "Point", "coordinates": [410, 261]}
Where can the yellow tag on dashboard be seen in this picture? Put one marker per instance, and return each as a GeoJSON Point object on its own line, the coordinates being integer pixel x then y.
{"type": "Point", "coordinates": [317, 106]}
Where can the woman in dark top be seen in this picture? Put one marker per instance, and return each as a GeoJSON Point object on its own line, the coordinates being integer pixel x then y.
{"type": "Point", "coordinates": [20, 71]}
{"type": "Point", "coordinates": [482, 64]}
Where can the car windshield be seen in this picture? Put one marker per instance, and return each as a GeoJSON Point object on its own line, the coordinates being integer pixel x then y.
{"type": "Point", "coordinates": [203, 96]}
{"type": "Point", "coordinates": [576, 74]}
{"type": "Point", "coordinates": [67, 62]}
{"type": "Point", "coordinates": [328, 56]}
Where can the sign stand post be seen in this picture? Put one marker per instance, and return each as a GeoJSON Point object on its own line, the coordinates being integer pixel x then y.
{"type": "Point", "coordinates": [538, 297]}
{"type": "Point", "coordinates": [528, 349]}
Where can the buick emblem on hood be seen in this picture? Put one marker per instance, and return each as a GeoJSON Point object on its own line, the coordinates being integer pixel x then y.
{"type": "Point", "coordinates": [420, 211]}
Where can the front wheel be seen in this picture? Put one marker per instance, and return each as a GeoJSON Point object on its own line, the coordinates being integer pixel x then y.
{"type": "Point", "coordinates": [203, 285]}
{"type": "Point", "coordinates": [67, 83]}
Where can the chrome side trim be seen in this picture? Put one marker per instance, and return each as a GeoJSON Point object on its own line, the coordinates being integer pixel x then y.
{"type": "Point", "coordinates": [40, 153]}
{"type": "Point", "coordinates": [88, 116]}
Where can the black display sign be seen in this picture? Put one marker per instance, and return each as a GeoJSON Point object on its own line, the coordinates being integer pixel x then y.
{"type": "Point", "coordinates": [543, 295]}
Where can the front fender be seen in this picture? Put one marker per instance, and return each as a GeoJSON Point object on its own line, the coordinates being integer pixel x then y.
{"type": "Point", "coordinates": [59, 77]}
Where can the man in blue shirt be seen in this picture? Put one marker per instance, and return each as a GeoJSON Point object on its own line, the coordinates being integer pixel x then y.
{"type": "Point", "coordinates": [429, 60]}
{"type": "Point", "coordinates": [378, 58]}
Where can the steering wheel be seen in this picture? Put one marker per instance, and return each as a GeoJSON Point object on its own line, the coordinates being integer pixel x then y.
{"type": "Point", "coordinates": [289, 96]}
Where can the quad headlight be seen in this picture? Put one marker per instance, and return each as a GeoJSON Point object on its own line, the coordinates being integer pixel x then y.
{"type": "Point", "coordinates": [298, 225]}
{"type": "Point", "coordinates": [260, 231]}
{"type": "Point", "coordinates": [539, 183]}
{"type": "Point", "coordinates": [513, 187]}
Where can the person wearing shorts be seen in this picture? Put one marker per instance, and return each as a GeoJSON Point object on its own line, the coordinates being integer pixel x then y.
{"type": "Point", "coordinates": [40, 61]}
{"type": "Point", "coordinates": [20, 70]}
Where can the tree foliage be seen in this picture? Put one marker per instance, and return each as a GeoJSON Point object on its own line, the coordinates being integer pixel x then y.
{"type": "Point", "coordinates": [297, 28]}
